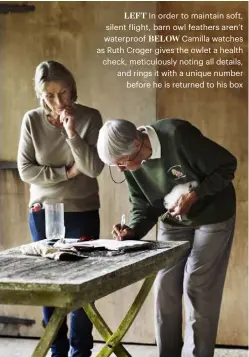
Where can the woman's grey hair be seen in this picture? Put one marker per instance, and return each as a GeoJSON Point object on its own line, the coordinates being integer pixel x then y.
{"type": "Point", "coordinates": [116, 140]}
{"type": "Point", "coordinates": [49, 71]}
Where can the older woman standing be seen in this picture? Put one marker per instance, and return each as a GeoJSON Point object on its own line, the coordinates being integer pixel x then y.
{"type": "Point", "coordinates": [156, 159]}
{"type": "Point", "coordinates": [57, 156]}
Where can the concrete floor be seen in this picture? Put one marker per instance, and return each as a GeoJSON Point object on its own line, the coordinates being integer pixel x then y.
{"type": "Point", "coordinates": [22, 347]}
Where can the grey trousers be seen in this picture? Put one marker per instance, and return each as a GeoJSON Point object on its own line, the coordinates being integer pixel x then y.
{"type": "Point", "coordinates": [199, 279]}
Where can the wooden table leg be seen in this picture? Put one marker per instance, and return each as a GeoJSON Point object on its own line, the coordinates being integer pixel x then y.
{"type": "Point", "coordinates": [103, 329]}
{"type": "Point", "coordinates": [50, 332]}
{"type": "Point", "coordinates": [113, 341]}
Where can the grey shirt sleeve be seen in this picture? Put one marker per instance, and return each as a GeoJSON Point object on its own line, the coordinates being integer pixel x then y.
{"type": "Point", "coordinates": [83, 147]}
{"type": "Point", "coordinates": [28, 168]}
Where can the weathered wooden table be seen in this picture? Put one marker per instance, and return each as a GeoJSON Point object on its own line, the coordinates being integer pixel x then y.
{"type": "Point", "coordinates": [30, 280]}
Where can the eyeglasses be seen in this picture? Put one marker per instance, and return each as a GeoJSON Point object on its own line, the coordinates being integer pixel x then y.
{"type": "Point", "coordinates": [130, 159]}
{"type": "Point", "coordinates": [118, 165]}
{"type": "Point", "coordinates": [124, 163]}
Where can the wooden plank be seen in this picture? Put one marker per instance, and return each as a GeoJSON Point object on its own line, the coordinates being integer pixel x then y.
{"type": "Point", "coordinates": [7, 8]}
{"type": "Point", "coordinates": [6, 165]}
{"type": "Point", "coordinates": [130, 316]}
{"type": "Point", "coordinates": [102, 275]}
{"type": "Point", "coordinates": [103, 329]}
{"type": "Point", "coordinates": [50, 332]}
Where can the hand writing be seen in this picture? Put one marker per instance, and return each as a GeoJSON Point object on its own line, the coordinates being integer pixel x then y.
{"type": "Point", "coordinates": [122, 234]}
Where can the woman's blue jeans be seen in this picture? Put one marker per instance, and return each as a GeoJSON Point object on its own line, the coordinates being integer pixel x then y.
{"type": "Point", "coordinates": [77, 224]}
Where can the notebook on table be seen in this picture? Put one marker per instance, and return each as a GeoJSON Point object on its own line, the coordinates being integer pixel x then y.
{"type": "Point", "coordinates": [107, 244]}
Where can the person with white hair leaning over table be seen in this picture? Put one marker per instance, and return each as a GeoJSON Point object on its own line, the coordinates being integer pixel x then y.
{"type": "Point", "coordinates": [176, 173]}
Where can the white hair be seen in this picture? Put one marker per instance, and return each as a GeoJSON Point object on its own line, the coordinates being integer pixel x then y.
{"type": "Point", "coordinates": [116, 140]}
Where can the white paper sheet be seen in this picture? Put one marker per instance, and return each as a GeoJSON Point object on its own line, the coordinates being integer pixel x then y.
{"type": "Point", "coordinates": [109, 244]}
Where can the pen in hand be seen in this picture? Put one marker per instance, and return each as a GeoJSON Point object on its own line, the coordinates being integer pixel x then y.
{"type": "Point", "coordinates": [123, 232]}
{"type": "Point", "coordinates": [122, 224]}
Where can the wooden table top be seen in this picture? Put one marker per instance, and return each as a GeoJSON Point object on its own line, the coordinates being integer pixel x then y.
{"type": "Point", "coordinates": [101, 273]}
